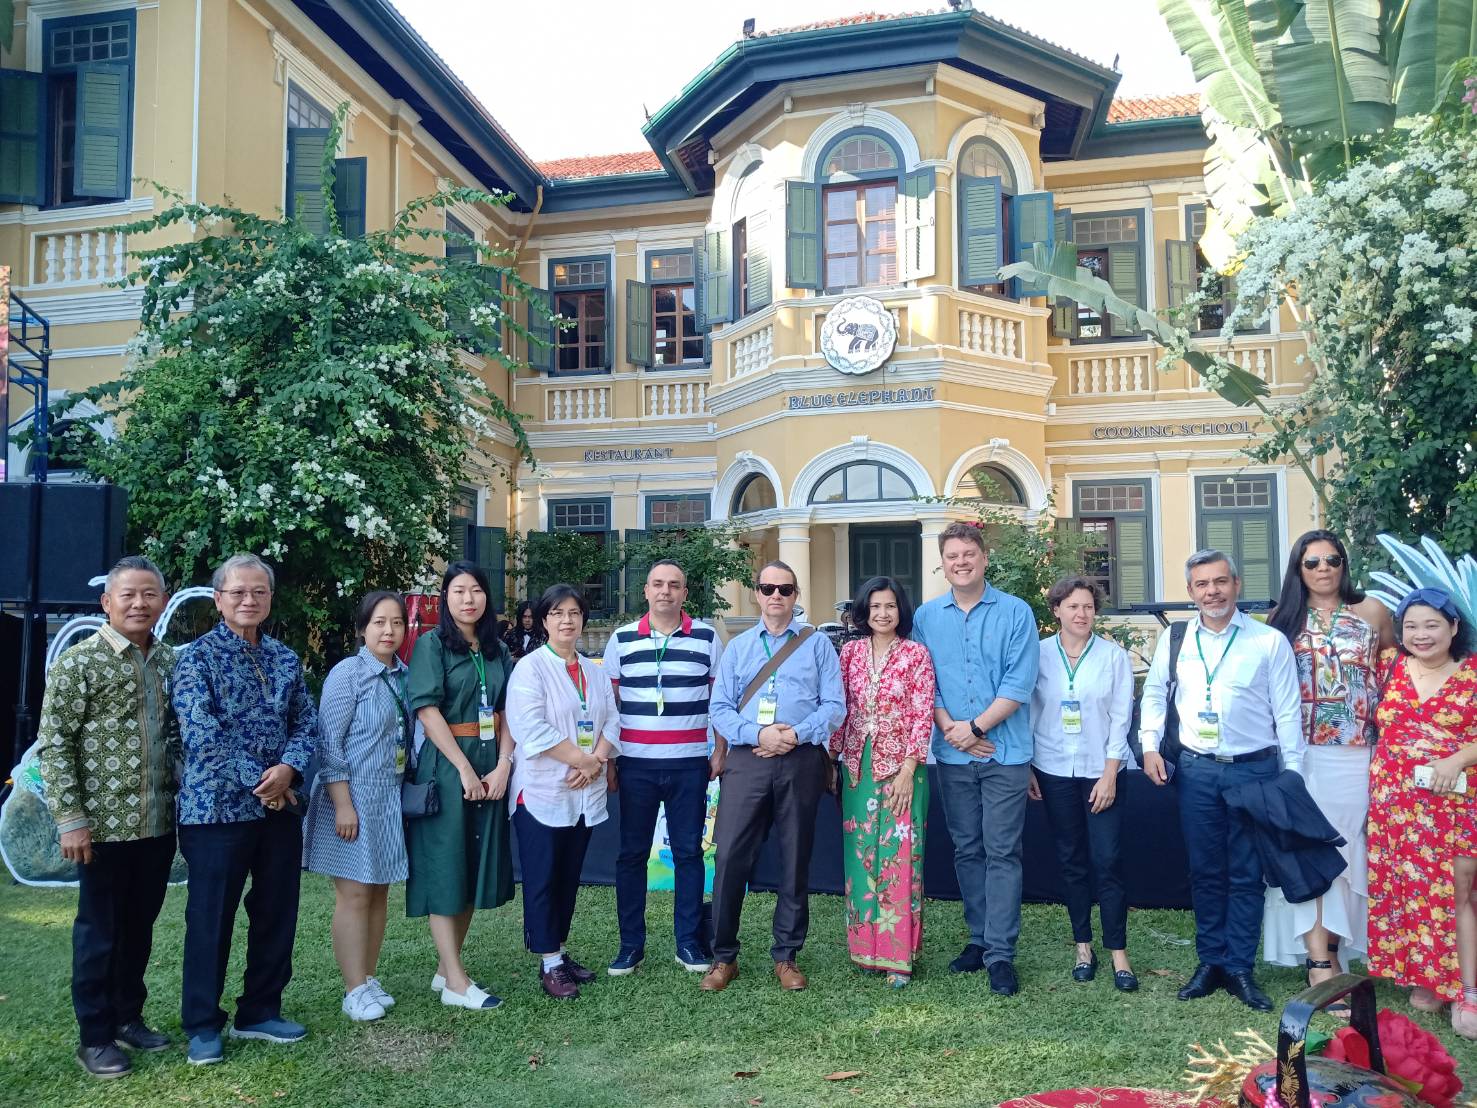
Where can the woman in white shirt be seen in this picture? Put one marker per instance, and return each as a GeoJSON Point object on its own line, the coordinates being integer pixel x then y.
{"type": "Point", "coordinates": [1080, 710]}
{"type": "Point", "coordinates": [565, 727]}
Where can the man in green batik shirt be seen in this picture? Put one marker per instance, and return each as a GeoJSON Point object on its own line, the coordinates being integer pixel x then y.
{"type": "Point", "coordinates": [108, 744]}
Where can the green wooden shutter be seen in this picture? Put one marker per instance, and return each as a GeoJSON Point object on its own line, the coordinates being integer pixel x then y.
{"type": "Point", "coordinates": [488, 548]}
{"type": "Point", "coordinates": [1256, 558]}
{"type": "Point", "coordinates": [981, 250]}
{"type": "Point", "coordinates": [638, 559]}
{"type": "Point", "coordinates": [1064, 311]}
{"type": "Point", "coordinates": [699, 281]}
{"type": "Point", "coordinates": [1179, 271]}
{"type": "Point", "coordinates": [540, 306]}
{"type": "Point", "coordinates": [22, 127]}
{"type": "Point", "coordinates": [1130, 561]}
{"type": "Point", "coordinates": [717, 278]}
{"type": "Point", "coordinates": [1218, 533]}
{"type": "Point", "coordinates": [1123, 271]}
{"type": "Point", "coordinates": [1030, 222]}
{"type": "Point", "coordinates": [638, 323]}
{"type": "Point", "coordinates": [101, 167]}
{"type": "Point", "coordinates": [916, 247]}
{"type": "Point", "coordinates": [760, 279]}
{"type": "Point", "coordinates": [306, 147]}
{"type": "Point", "coordinates": [802, 235]}
{"type": "Point", "coordinates": [613, 576]}
{"type": "Point", "coordinates": [350, 184]}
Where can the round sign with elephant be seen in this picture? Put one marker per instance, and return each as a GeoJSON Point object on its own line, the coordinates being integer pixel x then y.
{"type": "Point", "coordinates": [859, 334]}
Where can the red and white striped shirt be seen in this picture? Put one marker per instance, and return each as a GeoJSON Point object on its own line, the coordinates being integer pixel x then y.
{"type": "Point", "coordinates": [662, 683]}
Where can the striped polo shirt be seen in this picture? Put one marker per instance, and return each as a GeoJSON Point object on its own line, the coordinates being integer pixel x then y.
{"type": "Point", "coordinates": [679, 686]}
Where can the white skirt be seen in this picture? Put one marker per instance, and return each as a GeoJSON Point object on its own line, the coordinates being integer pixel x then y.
{"type": "Point", "coordinates": [1338, 780]}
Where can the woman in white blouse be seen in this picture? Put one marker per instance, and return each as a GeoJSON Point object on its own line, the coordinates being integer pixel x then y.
{"type": "Point", "coordinates": [565, 727]}
{"type": "Point", "coordinates": [1079, 726]}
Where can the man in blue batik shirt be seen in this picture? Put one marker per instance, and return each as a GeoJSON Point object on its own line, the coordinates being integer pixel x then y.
{"type": "Point", "coordinates": [248, 727]}
{"type": "Point", "coordinates": [984, 645]}
{"type": "Point", "coordinates": [774, 771]}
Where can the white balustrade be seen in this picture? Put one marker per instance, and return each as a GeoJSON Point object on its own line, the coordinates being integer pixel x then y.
{"type": "Point", "coordinates": [1114, 373]}
{"type": "Point", "coordinates": [992, 335]}
{"type": "Point", "coordinates": [81, 258]}
{"type": "Point", "coordinates": [674, 399]}
{"type": "Point", "coordinates": [1256, 360]}
{"type": "Point", "coordinates": [585, 404]}
{"type": "Point", "coordinates": [750, 353]}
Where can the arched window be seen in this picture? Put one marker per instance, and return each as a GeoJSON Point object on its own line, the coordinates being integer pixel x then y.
{"type": "Point", "coordinates": [858, 189]}
{"type": "Point", "coordinates": [992, 484]}
{"type": "Point", "coordinates": [982, 158]}
{"type": "Point", "coordinates": [861, 481]}
{"type": "Point", "coordinates": [986, 185]}
{"type": "Point", "coordinates": [756, 494]}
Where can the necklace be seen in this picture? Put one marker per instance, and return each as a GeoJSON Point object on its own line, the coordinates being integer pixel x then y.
{"type": "Point", "coordinates": [1433, 670]}
{"type": "Point", "coordinates": [878, 666]}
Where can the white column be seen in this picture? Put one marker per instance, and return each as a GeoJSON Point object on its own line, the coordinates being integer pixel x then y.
{"type": "Point", "coordinates": [931, 566]}
{"type": "Point", "coordinates": [795, 552]}
{"type": "Point", "coordinates": [843, 564]}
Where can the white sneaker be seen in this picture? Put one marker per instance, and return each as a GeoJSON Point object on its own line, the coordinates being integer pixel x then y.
{"type": "Point", "coordinates": [474, 998]}
{"type": "Point", "coordinates": [376, 990]}
{"type": "Point", "coordinates": [360, 1005]}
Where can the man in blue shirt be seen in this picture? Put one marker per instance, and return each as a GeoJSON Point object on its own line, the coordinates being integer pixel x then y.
{"type": "Point", "coordinates": [773, 760]}
{"type": "Point", "coordinates": [984, 648]}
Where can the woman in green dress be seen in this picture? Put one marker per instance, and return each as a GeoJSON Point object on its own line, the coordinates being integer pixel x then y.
{"type": "Point", "coordinates": [460, 858]}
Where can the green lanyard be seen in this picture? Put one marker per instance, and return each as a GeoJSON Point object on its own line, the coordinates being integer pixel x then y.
{"type": "Point", "coordinates": [764, 642]}
{"type": "Point", "coordinates": [577, 682]}
{"type": "Point", "coordinates": [481, 674]}
{"type": "Point", "coordinates": [400, 698]}
{"type": "Point", "coordinates": [1210, 673]}
{"type": "Point", "coordinates": [1072, 670]}
{"type": "Point", "coordinates": [661, 652]}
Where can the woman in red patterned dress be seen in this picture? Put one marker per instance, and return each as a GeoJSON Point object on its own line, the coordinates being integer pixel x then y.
{"type": "Point", "coordinates": [883, 747]}
{"type": "Point", "coordinates": [1422, 836]}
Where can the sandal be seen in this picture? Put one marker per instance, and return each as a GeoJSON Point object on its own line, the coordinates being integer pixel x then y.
{"type": "Point", "coordinates": [1339, 1009]}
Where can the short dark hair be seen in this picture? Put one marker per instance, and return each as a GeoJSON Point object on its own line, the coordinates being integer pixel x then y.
{"type": "Point", "coordinates": [861, 607]}
{"type": "Point", "coordinates": [1463, 642]}
{"type": "Point", "coordinates": [1068, 585]}
{"type": "Point", "coordinates": [134, 563]}
{"type": "Point", "coordinates": [556, 595]}
{"type": "Point", "coordinates": [451, 635]}
{"type": "Point", "coordinates": [777, 564]}
{"type": "Point", "coordinates": [969, 532]}
{"type": "Point", "coordinates": [365, 612]}
{"type": "Point", "coordinates": [667, 562]}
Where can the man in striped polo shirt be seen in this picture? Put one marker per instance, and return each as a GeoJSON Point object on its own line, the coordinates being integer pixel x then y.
{"type": "Point", "coordinates": [663, 667]}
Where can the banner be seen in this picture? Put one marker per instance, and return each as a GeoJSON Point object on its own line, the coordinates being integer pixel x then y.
{"type": "Point", "coordinates": [659, 866]}
{"type": "Point", "coordinates": [4, 367]}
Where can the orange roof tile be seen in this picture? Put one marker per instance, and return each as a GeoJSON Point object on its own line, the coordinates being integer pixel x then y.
{"type": "Point", "coordinates": [1133, 109]}
{"type": "Point", "coordinates": [601, 165]}
{"type": "Point", "coordinates": [846, 21]}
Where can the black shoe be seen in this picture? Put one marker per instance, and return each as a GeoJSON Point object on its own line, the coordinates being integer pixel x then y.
{"type": "Point", "coordinates": [104, 1061]}
{"type": "Point", "coordinates": [1204, 981]}
{"type": "Point", "coordinates": [1085, 971]}
{"type": "Point", "coordinates": [1125, 982]}
{"type": "Point", "coordinates": [578, 972]}
{"type": "Point", "coordinates": [1002, 979]}
{"type": "Point", "coordinates": [1243, 987]}
{"type": "Point", "coordinates": [136, 1035]}
{"type": "Point", "coordinates": [971, 960]}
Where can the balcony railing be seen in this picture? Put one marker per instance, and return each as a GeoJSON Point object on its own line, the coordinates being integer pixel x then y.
{"type": "Point", "coordinates": [992, 333]}
{"type": "Point", "coordinates": [581, 404]}
{"type": "Point", "coordinates": [1110, 375]}
{"type": "Point", "coordinates": [751, 353]}
{"type": "Point", "coordinates": [674, 399]}
{"type": "Point", "coordinates": [1128, 369]}
{"type": "Point", "coordinates": [69, 258]}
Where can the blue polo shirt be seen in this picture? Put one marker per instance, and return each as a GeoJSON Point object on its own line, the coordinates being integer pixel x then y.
{"type": "Point", "coordinates": [990, 651]}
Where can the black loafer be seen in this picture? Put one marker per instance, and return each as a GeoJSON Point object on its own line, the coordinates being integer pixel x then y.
{"type": "Point", "coordinates": [1204, 981]}
{"type": "Point", "coordinates": [1125, 982]}
{"type": "Point", "coordinates": [104, 1061]}
{"type": "Point", "coordinates": [971, 960]}
{"type": "Point", "coordinates": [1085, 971]}
{"type": "Point", "coordinates": [1244, 988]}
{"type": "Point", "coordinates": [1003, 980]}
{"type": "Point", "coordinates": [137, 1035]}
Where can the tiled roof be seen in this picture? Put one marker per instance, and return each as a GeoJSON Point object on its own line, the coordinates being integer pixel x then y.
{"type": "Point", "coordinates": [846, 21]}
{"type": "Point", "coordinates": [600, 165]}
{"type": "Point", "coordinates": [1134, 109]}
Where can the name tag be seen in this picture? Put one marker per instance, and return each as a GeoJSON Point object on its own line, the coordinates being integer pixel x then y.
{"type": "Point", "coordinates": [400, 757]}
{"type": "Point", "coordinates": [1208, 728]}
{"type": "Point", "coordinates": [584, 735]}
{"type": "Point", "coordinates": [661, 702]}
{"type": "Point", "coordinates": [1071, 717]}
{"type": "Point", "coordinates": [487, 724]}
{"type": "Point", "coordinates": [768, 706]}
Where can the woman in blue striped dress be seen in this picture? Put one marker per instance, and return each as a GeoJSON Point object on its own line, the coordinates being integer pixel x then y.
{"type": "Point", "coordinates": [353, 832]}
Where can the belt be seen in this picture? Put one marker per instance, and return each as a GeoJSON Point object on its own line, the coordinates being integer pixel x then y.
{"type": "Point", "coordinates": [466, 730]}
{"type": "Point", "coordinates": [1227, 759]}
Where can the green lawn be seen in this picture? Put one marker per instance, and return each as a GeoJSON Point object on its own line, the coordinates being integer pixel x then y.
{"type": "Point", "coordinates": [650, 1039]}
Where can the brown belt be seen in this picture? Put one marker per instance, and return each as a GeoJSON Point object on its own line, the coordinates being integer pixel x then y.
{"type": "Point", "coordinates": [466, 730]}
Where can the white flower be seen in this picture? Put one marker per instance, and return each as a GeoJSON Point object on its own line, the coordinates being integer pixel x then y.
{"type": "Point", "coordinates": [229, 386]}
{"type": "Point", "coordinates": [1444, 198]}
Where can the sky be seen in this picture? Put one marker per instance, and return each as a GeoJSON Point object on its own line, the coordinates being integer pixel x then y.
{"type": "Point", "coordinates": [571, 77]}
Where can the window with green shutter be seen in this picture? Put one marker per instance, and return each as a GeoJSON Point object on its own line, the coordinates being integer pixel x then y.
{"type": "Point", "coordinates": [1237, 515]}
{"type": "Point", "coordinates": [1117, 517]}
{"type": "Point", "coordinates": [22, 138]}
{"type": "Point", "coordinates": [674, 337]}
{"type": "Point", "coordinates": [1220, 298]}
{"type": "Point", "coordinates": [1110, 245]}
{"type": "Point", "coordinates": [590, 517]}
{"type": "Point", "coordinates": [580, 288]}
{"type": "Point", "coordinates": [487, 547]}
{"type": "Point", "coordinates": [539, 306]}
{"type": "Point", "coordinates": [305, 151]}
{"type": "Point", "coordinates": [350, 189]}
{"type": "Point", "coordinates": [717, 276]}
{"type": "Point", "coordinates": [1030, 223]}
{"type": "Point", "coordinates": [758, 280]}
{"type": "Point", "coordinates": [638, 559]}
{"type": "Point", "coordinates": [802, 235]}
{"type": "Point", "coordinates": [1064, 311]}
{"type": "Point", "coordinates": [638, 323]}
{"type": "Point", "coordinates": [983, 223]}
{"type": "Point", "coordinates": [103, 95]}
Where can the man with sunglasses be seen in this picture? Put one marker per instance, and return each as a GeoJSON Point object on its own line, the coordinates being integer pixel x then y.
{"type": "Point", "coordinates": [772, 737]}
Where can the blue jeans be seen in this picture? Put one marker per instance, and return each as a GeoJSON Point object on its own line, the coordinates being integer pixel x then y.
{"type": "Point", "coordinates": [646, 784]}
{"type": "Point", "coordinates": [1226, 886]}
{"type": "Point", "coordinates": [985, 808]}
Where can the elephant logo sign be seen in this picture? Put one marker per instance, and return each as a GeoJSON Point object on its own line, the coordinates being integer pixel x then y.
{"type": "Point", "coordinates": [858, 335]}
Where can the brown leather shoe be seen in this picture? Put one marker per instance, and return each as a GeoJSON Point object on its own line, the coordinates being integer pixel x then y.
{"type": "Point", "coordinates": [791, 979]}
{"type": "Point", "coordinates": [717, 978]}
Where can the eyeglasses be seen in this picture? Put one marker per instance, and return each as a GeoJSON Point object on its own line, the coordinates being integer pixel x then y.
{"type": "Point", "coordinates": [1332, 561]}
{"type": "Point", "coordinates": [236, 596]}
{"type": "Point", "coordinates": [783, 590]}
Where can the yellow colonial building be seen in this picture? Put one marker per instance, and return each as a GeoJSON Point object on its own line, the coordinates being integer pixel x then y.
{"type": "Point", "coordinates": [787, 310]}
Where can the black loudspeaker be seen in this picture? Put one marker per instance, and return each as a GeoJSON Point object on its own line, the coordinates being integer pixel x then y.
{"type": "Point", "coordinates": [81, 537]}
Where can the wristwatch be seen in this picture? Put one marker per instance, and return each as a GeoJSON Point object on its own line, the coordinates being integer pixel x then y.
{"type": "Point", "coordinates": [975, 727]}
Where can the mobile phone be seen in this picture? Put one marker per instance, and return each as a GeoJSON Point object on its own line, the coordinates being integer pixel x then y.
{"type": "Point", "coordinates": [1423, 777]}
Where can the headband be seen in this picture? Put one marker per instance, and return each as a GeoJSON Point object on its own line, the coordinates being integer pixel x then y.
{"type": "Point", "coordinates": [1431, 598]}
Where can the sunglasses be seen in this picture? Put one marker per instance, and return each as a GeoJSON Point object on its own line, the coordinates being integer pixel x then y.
{"type": "Point", "coordinates": [783, 590]}
{"type": "Point", "coordinates": [1332, 561]}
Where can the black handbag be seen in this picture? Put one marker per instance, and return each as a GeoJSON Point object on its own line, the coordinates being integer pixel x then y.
{"type": "Point", "coordinates": [1169, 738]}
{"type": "Point", "coordinates": [417, 799]}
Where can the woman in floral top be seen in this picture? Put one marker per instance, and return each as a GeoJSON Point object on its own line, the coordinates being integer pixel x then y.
{"type": "Point", "coordinates": [883, 747]}
{"type": "Point", "coordinates": [1422, 839]}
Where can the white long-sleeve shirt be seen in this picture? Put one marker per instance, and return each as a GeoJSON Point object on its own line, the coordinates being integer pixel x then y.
{"type": "Point", "coordinates": [1255, 692]}
{"type": "Point", "coordinates": [1104, 690]}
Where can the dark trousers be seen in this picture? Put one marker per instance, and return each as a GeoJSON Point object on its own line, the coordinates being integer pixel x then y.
{"type": "Point", "coordinates": [757, 794]}
{"type": "Point", "coordinates": [119, 895]}
{"type": "Point", "coordinates": [551, 859]}
{"type": "Point", "coordinates": [681, 786]}
{"type": "Point", "coordinates": [1087, 856]}
{"type": "Point", "coordinates": [985, 808]}
{"type": "Point", "coordinates": [1226, 886]}
{"type": "Point", "coordinates": [221, 856]}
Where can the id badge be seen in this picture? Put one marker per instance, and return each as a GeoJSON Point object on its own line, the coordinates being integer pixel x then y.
{"type": "Point", "coordinates": [661, 702]}
{"type": "Point", "coordinates": [400, 759]}
{"type": "Point", "coordinates": [584, 735]}
{"type": "Point", "coordinates": [487, 724]}
{"type": "Point", "coordinates": [1071, 717]}
{"type": "Point", "coordinates": [768, 705]}
{"type": "Point", "coordinates": [1208, 728]}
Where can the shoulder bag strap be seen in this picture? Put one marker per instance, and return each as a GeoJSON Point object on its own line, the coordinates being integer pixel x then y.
{"type": "Point", "coordinates": [772, 665]}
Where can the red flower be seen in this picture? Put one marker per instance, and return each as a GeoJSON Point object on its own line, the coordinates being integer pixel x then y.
{"type": "Point", "coordinates": [1412, 1054]}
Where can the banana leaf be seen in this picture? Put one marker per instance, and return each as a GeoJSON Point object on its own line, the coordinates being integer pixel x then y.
{"type": "Point", "coordinates": [1434, 35]}
{"type": "Point", "coordinates": [1216, 36]}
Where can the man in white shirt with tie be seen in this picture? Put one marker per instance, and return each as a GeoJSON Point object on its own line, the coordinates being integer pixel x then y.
{"type": "Point", "coordinates": [1240, 720]}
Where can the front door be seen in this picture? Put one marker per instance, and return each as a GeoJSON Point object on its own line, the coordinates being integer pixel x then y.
{"type": "Point", "coordinates": [888, 550]}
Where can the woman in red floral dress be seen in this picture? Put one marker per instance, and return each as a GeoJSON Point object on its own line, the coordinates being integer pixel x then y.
{"type": "Point", "coordinates": [883, 747]}
{"type": "Point", "coordinates": [1422, 837]}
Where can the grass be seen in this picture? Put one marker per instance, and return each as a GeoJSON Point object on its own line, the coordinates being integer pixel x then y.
{"type": "Point", "coordinates": [648, 1039]}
